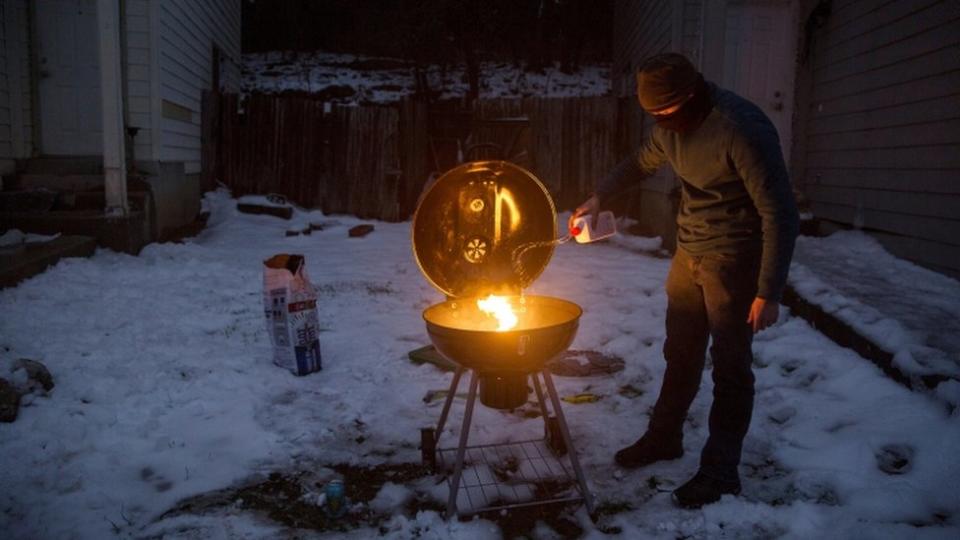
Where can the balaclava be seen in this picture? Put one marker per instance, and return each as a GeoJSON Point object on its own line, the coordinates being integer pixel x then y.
{"type": "Point", "coordinates": [670, 79]}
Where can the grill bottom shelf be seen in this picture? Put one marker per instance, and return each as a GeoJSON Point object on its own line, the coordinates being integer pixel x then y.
{"type": "Point", "coordinates": [510, 475]}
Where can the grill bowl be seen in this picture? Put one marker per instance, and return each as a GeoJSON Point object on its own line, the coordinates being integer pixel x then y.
{"type": "Point", "coordinates": [467, 336]}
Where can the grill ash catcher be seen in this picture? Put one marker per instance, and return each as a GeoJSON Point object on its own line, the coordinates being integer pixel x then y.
{"type": "Point", "coordinates": [489, 228]}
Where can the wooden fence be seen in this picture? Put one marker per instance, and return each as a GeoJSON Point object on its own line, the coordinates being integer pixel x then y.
{"type": "Point", "coordinates": [373, 161]}
{"type": "Point", "coordinates": [339, 159]}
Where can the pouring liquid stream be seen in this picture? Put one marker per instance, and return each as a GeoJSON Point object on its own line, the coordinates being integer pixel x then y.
{"type": "Point", "coordinates": [605, 226]}
{"type": "Point", "coordinates": [516, 259]}
{"type": "Point", "coordinates": [520, 270]}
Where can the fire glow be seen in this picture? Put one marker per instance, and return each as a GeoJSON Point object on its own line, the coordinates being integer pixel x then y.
{"type": "Point", "coordinates": [500, 308]}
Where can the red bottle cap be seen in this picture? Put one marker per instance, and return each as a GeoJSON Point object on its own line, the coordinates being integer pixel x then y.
{"type": "Point", "coordinates": [574, 231]}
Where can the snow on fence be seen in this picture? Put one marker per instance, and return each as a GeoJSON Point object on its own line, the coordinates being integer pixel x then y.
{"type": "Point", "coordinates": [373, 161]}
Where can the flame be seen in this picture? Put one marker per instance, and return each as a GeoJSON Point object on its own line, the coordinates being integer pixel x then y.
{"type": "Point", "coordinates": [499, 307]}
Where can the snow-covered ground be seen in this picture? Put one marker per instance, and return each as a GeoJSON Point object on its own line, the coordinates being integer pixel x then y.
{"type": "Point", "coordinates": [358, 79]}
{"type": "Point", "coordinates": [165, 390]}
{"type": "Point", "coordinates": [911, 312]}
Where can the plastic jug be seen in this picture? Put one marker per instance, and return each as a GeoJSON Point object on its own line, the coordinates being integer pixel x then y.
{"type": "Point", "coordinates": [584, 232]}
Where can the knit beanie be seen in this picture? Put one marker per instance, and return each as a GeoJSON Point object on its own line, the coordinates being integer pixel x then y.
{"type": "Point", "coordinates": [665, 80]}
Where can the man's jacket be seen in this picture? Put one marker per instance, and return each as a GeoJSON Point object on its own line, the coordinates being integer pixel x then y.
{"type": "Point", "coordinates": [736, 194]}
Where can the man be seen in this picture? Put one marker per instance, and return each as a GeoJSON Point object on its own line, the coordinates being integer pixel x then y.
{"type": "Point", "coordinates": [736, 230]}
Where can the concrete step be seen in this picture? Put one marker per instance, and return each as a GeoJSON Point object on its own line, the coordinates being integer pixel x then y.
{"type": "Point", "coordinates": [31, 259]}
{"type": "Point", "coordinates": [34, 200]}
{"type": "Point", "coordinates": [59, 182]}
{"type": "Point", "coordinates": [39, 201]}
{"type": "Point", "coordinates": [87, 200]}
{"type": "Point", "coordinates": [68, 182]}
{"type": "Point", "coordinates": [845, 335]}
{"type": "Point", "coordinates": [76, 222]}
{"type": "Point", "coordinates": [128, 234]}
{"type": "Point", "coordinates": [64, 165]}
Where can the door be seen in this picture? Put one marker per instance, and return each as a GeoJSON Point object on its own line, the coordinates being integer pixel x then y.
{"type": "Point", "coordinates": [69, 77]}
{"type": "Point", "coordinates": [759, 60]}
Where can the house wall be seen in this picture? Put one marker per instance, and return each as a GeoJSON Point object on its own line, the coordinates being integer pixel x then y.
{"type": "Point", "coordinates": [691, 17]}
{"type": "Point", "coordinates": [879, 112]}
{"type": "Point", "coordinates": [168, 62]}
{"type": "Point", "coordinates": [6, 142]}
{"type": "Point", "coordinates": [15, 54]}
{"type": "Point", "coordinates": [187, 31]}
{"type": "Point", "coordinates": [139, 93]}
{"type": "Point", "coordinates": [641, 30]}
{"type": "Point", "coordinates": [16, 123]}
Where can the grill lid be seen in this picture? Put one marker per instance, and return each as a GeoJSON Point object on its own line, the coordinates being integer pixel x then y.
{"type": "Point", "coordinates": [472, 220]}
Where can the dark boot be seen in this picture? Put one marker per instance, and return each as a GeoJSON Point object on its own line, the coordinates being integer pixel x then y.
{"type": "Point", "coordinates": [701, 490]}
{"type": "Point", "coordinates": [647, 450]}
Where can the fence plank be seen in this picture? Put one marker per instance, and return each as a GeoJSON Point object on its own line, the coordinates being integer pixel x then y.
{"type": "Point", "coordinates": [546, 126]}
{"type": "Point", "coordinates": [414, 152]}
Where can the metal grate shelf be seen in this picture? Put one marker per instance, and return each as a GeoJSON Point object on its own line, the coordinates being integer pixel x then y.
{"type": "Point", "coordinates": [510, 475]}
{"type": "Point", "coordinates": [489, 477]}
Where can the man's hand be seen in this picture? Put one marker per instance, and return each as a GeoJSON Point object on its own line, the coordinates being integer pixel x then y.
{"type": "Point", "coordinates": [590, 207]}
{"type": "Point", "coordinates": [763, 313]}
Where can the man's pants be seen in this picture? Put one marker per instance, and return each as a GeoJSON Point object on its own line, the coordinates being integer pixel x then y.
{"type": "Point", "coordinates": [709, 296]}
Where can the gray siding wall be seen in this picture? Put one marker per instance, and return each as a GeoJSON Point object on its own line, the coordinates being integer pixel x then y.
{"type": "Point", "coordinates": [692, 17]}
{"type": "Point", "coordinates": [881, 136]}
{"type": "Point", "coordinates": [6, 141]}
{"type": "Point", "coordinates": [16, 124]}
{"type": "Point", "coordinates": [188, 31]}
{"type": "Point", "coordinates": [138, 74]}
{"type": "Point", "coordinates": [641, 30]}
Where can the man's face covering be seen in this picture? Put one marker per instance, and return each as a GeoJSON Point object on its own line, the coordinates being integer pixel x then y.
{"type": "Point", "coordinates": [690, 114]}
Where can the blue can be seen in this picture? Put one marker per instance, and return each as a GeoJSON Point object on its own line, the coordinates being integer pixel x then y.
{"type": "Point", "coordinates": [336, 500]}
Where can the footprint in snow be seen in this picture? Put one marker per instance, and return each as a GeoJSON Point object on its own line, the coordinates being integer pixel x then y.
{"type": "Point", "coordinates": [160, 483]}
{"type": "Point", "coordinates": [790, 366]}
{"type": "Point", "coordinates": [895, 458]}
{"type": "Point", "coordinates": [782, 415]}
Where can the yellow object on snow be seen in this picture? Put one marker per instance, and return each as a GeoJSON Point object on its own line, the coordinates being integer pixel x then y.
{"type": "Point", "coordinates": [585, 397]}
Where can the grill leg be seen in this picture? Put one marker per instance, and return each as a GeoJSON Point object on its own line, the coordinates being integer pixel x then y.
{"type": "Point", "coordinates": [540, 401]}
{"type": "Point", "coordinates": [582, 480]}
{"type": "Point", "coordinates": [462, 448]}
{"type": "Point", "coordinates": [447, 402]}
{"type": "Point", "coordinates": [551, 430]}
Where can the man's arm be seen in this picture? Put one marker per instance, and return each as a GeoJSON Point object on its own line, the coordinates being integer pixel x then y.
{"type": "Point", "coordinates": [758, 160]}
{"type": "Point", "coordinates": [643, 163]}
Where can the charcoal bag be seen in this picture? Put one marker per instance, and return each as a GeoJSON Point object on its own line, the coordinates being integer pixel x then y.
{"type": "Point", "coordinates": [290, 306]}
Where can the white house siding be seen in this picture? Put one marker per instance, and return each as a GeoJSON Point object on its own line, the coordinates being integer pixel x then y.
{"type": "Point", "coordinates": [16, 125]}
{"type": "Point", "coordinates": [138, 73]}
{"type": "Point", "coordinates": [882, 128]}
{"type": "Point", "coordinates": [187, 32]}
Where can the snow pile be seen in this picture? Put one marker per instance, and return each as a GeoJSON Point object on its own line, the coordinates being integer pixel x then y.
{"type": "Point", "coordinates": [165, 390]}
{"type": "Point", "coordinates": [390, 498]}
{"type": "Point", "coordinates": [350, 79]}
{"type": "Point", "coordinates": [271, 201]}
{"type": "Point", "coordinates": [16, 237]}
{"type": "Point", "coordinates": [909, 311]}
{"type": "Point", "coordinates": [640, 244]}
{"type": "Point", "coordinates": [431, 525]}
